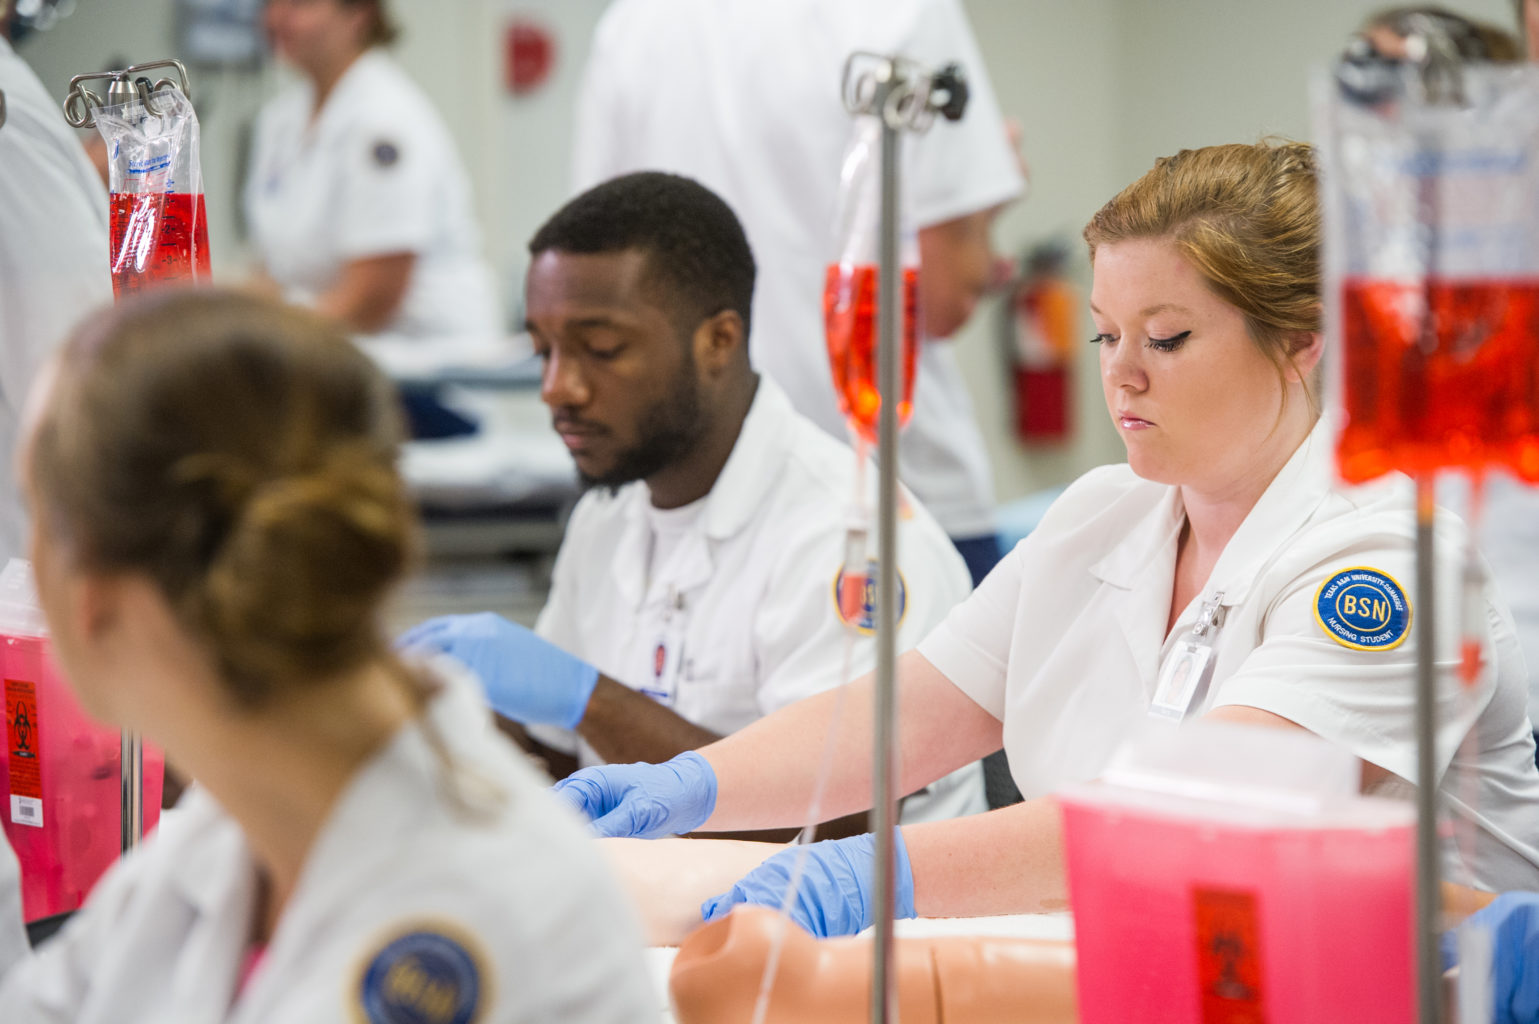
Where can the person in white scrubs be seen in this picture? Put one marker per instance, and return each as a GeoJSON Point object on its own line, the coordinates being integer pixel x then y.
{"type": "Point", "coordinates": [698, 586]}
{"type": "Point", "coordinates": [1206, 303]}
{"type": "Point", "coordinates": [219, 523]}
{"type": "Point", "coordinates": [744, 97]}
{"type": "Point", "coordinates": [53, 251]}
{"type": "Point", "coordinates": [357, 201]}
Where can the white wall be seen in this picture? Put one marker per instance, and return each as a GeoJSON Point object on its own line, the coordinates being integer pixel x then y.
{"type": "Point", "coordinates": [1102, 87]}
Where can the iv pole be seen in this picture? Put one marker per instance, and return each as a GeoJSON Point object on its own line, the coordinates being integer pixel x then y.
{"type": "Point", "coordinates": [1439, 67]}
{"type": "Point", "coordinates": [79, 110]}
{"type": "Point", "coordinates": [905, 98]}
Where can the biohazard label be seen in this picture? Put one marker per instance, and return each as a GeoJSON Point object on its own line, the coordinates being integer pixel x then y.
{"type": "Point", "coordinates": [1228, 957]}
{"type": "Point", "coordinates": [25, 754]}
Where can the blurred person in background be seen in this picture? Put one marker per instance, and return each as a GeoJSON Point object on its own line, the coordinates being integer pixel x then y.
{"type": "Point", "coordinates": [53, 247]}
{"type": "Point", "coordinates": [358, 204]}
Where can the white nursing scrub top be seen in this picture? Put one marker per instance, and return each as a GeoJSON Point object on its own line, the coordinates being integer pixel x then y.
{"type": "Point", "coordinates": [374, 173]}
{"type": "Point", "coordinates": [408, 908]}
{"type": "Point", "coordinates": [53, 257]}
{"type": "Point", "coordinates": [733, 616]}
{"type": "Point", "coordinates": [1064, 641]}
{"type": "Point", "coordinates": [744, 97]}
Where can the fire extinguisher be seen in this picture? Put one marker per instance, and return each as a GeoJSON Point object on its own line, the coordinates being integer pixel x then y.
{"type": "Point", "coordinates": [1043, 326]}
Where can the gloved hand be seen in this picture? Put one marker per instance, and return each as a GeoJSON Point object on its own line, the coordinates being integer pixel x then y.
{"type": "Point", "coordinates": [834, 895]}
{"type": "Point", "coordinates": [1513, 918]}
{"type": "Point", "coordinates": [526, 678]}
{"type": "Point", "coordinates": [646, 801]}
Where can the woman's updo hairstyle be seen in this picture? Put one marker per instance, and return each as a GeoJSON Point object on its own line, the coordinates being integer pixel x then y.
{"type": "Point", "coordinates": [241, 454]}
{"type": "Point", "coordinates": [1248, 218]}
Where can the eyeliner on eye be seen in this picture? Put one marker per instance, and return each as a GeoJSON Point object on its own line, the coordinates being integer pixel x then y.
{"type": "Point", "coordinates": [1171, 343]}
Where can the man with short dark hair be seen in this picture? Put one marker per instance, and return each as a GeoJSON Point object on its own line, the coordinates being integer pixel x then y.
{"type": "Point", "coordinates": [698, 585]}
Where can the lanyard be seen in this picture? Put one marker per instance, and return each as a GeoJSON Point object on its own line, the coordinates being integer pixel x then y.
{"type": "Point", "coordinates": [1184, 677]}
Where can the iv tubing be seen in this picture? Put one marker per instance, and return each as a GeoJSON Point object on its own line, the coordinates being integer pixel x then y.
{"type": "Point", "coordinates": [859, 527]}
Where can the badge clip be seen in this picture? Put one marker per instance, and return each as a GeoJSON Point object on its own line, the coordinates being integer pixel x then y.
{"type": "Point", "coordinates": [1185, 675]}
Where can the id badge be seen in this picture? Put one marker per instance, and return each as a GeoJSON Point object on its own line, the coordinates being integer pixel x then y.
{"type": "Point", "coordinates": [1183, 680]}
{"type": "Point", "coordinates": [1184, 671]}
{"type": "Point", "coordinates": [662, 682]}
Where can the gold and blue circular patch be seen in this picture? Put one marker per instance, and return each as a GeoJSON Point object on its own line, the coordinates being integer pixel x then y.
{"type": "Point", "coordinates": [1364, 609]}
{"type": "Point", "coordinates": [855, 598]}
{"type": "Point", "coordinates": [423, 977]}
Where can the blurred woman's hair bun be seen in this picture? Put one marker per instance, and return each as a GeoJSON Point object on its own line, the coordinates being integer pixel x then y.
{"type": "Point", "coordinates": [241, 454]}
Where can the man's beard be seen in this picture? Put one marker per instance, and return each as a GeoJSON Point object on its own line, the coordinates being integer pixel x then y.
{"type": "Point", "coordinates": [670, 432]}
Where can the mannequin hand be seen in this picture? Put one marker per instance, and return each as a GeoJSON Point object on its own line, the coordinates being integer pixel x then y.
{"type": "Point", "coordinates": [526, 678]}
{"type": "Point", "coordinates": [1514, 922]}
{"type": "Point", "coordinates": [834, 895]}
{"type": "Point", "coordinates": [645, 801]}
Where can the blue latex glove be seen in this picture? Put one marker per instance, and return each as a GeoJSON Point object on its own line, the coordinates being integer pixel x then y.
{"type": "Point", "coordinates": [526, 678]}
{"type": "Point", "coordinates": [1513, 918]}
{"type": "Point", "coordinates": [646, 801]}
{"type": "Point", "coordinates": [834, 895]}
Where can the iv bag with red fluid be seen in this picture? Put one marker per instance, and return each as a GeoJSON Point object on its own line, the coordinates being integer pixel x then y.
{"type": "Point", "coordinates": [158, 223]}
{"type": "Point", "coordinates": [850, 302]}
{"type": "Point", "coordinates": [1432, 286]}
{"type": "Point", "coordinates": [850, 321]}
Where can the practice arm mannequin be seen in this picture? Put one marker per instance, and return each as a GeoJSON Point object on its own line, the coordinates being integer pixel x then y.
{"type": "Point", "coordinates": [668, 879]}
{"type": "Point", "coordinates": [952, 979]}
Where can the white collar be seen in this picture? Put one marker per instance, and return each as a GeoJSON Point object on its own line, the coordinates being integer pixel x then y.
{"type": "Point", "coordinates": [1288, 501]}
{"type": "Point", "coordinates": [751, 470]}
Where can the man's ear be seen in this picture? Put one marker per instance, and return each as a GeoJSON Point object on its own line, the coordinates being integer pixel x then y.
{"type": "Point", "coordinates": [720, 339]}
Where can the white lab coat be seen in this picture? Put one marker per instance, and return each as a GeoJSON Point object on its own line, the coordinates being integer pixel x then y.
{"type": "Point", "coordinates": [53, 256]}
{"type": "Point", "coordinates": [374, 173]}
{"type": "Point", "coordinates": [743, 608]}
{"type": "Point", "coordinates": [744, 96]}
{"type": "Point", "coordinates": [520, 893]}
{"type": "Point", "coordinates": [1065, 639]}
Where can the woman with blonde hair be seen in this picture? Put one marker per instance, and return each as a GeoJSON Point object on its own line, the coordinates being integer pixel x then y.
{"type": "Point", "coordinates": [1207, 308]}
{"type": "Point", "coordinates": [358, 202]}
{"type": "Point", "coordinates": [218, 523]}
